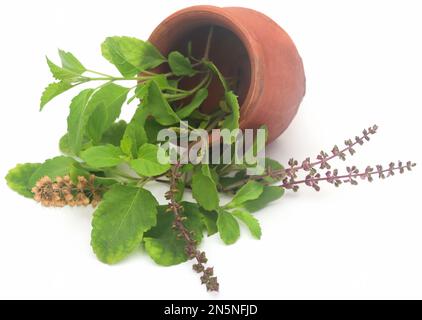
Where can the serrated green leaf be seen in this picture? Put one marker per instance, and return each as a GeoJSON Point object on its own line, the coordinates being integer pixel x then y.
{"type": "Point", "coordinates": [61, 74]}
{"type": "Point", "coordinates": [70, 63]}
{"type": "Point", "coordinates": [180, 65]}
{"type": "Point", "coordinates": [250, 191]}
{"type": "Point", "coordinates": [158, 106]}
{"type": "Point", "coordinates": [120, 221]}
{"type": "Point", "coordinates": [135, 135]}
{"type": "Point", "coordinates": [55, 167]}
{"type": "Point", "coordinates": [114, 134]}
{"type": "Point", "coordinates": [103, 156]}
{"type": "Point", "coordinates": [53, 90]}
{"type": "Point", "coordinates": [107, 104]}
{"type": "Point", "coordinates": [231, 121]}
{"type": "Point", "coordinates": [228, 227]}
{"type": "Point", "coordinates": [147, 164]}
{"type": "Point", "coordinates": [18, 178]}
{"type": "Point", "coordinates": [131, 55]}
{"type": "Point", "coordinates": [270, 193]}
{"type": "Point", "coordinates": [250, 221]}
{"type": "Point", "coordinates": [162, 243]}
{"type": "Point", "coordinates": [204, 189]}
{"type": "Point", "coordinates": [80, 111]}
{"type": "Point", "coordinates": [196, 102]}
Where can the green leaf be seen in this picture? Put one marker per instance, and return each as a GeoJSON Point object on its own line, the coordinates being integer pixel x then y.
{"type": "Point", "coordinates": [228, 227]}
{"type": "Point", "coordinates": [76, 171]}
{"type": "Point", "coordinates": [161, 81]}
{"type": "Point", "coordinates": [52, 91]}
{"type": "Point", "coordinates": [107, 104]}
{"type": "Point", "coordinates": [158, 106]}
{"type": "Point", "coordinates": [103, 156]}
{"type": "Point", "coordinates": [250, 221]}
{"type": "Point", "coordinates": [65, 147]}
{"type": "Point", "coordinates": [250, 191]}
{"type": "Point", "coordinates": [69, 62]}
{"type": "Point", "coordinates": [188, 167]}
{"type": "Point", "coordinates": [152, 129]}
{"type": "Point", "coordinates": [135, 135]}
{"type": "Point", "coordinates": [114, 134]}
{"type": "Point", "coordinates": [80, 111]}
{"type": "Point", "coordinates": [270, 193]}
{"type": "Point", "coordinates": [162, 243]}
{"type": "Point", "coordinates": [131, 55]}
{"type": "Point", "coordinates": [214, 69]}
{"type": "Point", "coordinates": [120, 221]}
{"type": "Point", "coordinates": [228, 181]}
{"type": "Point", "coordinates": [180, 65]}
{"type": "Point", "coordinates": [148, 164]}
{"type": "Point", "coordinates": [231, 122]}
{"type": "Point", "coordinates": [141, 90]}
{"type": "Point", "coordinates": [209, 218]}
{"type": "Point", "coordinates": [196, 102]}
{"type": "Point", "coordinates": [104, 181]}
{"type": "Point", "coordinates": [18, 178]}
{"type": "Point", "coordinates": [204, 189]}
{"type": "Point", "coordinates": [60, 73]}
{"type": "Point", "coordinates": [64, 144]}
{"type": "Point", "coordinates": [55, 167]}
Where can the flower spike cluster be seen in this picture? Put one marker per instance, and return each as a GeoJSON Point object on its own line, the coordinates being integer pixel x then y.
{"type": "Point", "coordinates": [314, 173]}
{"type": "Point", "coordinates": [63, 192]}
{"type": "Point", "coordinates": [207, 278]}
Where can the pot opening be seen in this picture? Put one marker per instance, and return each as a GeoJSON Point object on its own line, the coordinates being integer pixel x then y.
{"type": "Point", "coordinates": [226, 51]}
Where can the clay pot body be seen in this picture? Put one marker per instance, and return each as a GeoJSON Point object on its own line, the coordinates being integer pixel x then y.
{"type": "Point", "coordinates": [252, 51]}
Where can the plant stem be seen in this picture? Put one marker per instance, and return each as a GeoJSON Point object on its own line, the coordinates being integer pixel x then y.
{"type": "Point", "coordinates": [208, 45]}
{"type": "Point", "coordinates": [348, 178]}
{"type": "Point", "coordinates": [175, 97]}
{"type": "Point", "coordinates": [99, 73]}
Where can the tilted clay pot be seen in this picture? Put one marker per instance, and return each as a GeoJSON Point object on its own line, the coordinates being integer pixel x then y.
{"type": "Point", "coordinates": [252, 51]}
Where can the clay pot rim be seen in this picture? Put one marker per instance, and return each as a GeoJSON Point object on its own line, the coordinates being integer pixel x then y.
{"type": "Point", "coordinates": [220, 17]}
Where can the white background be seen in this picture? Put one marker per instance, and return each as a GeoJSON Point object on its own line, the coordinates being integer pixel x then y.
{"type": "Point", "coordinates": [363, 62]}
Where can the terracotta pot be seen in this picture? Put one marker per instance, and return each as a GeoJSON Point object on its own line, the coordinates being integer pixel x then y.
{"type": "Point", "coordinates": [252, 51]}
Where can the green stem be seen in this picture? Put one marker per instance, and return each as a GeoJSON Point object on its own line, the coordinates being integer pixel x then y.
{"type": "Point", "coordinates": [208, 45]}
{"type": "Point", "coordinates": [99, 73]}
{"type": "Point", "coordinates": [143, 181]}
{"type": "Point", "coordinates": [175, 97]}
